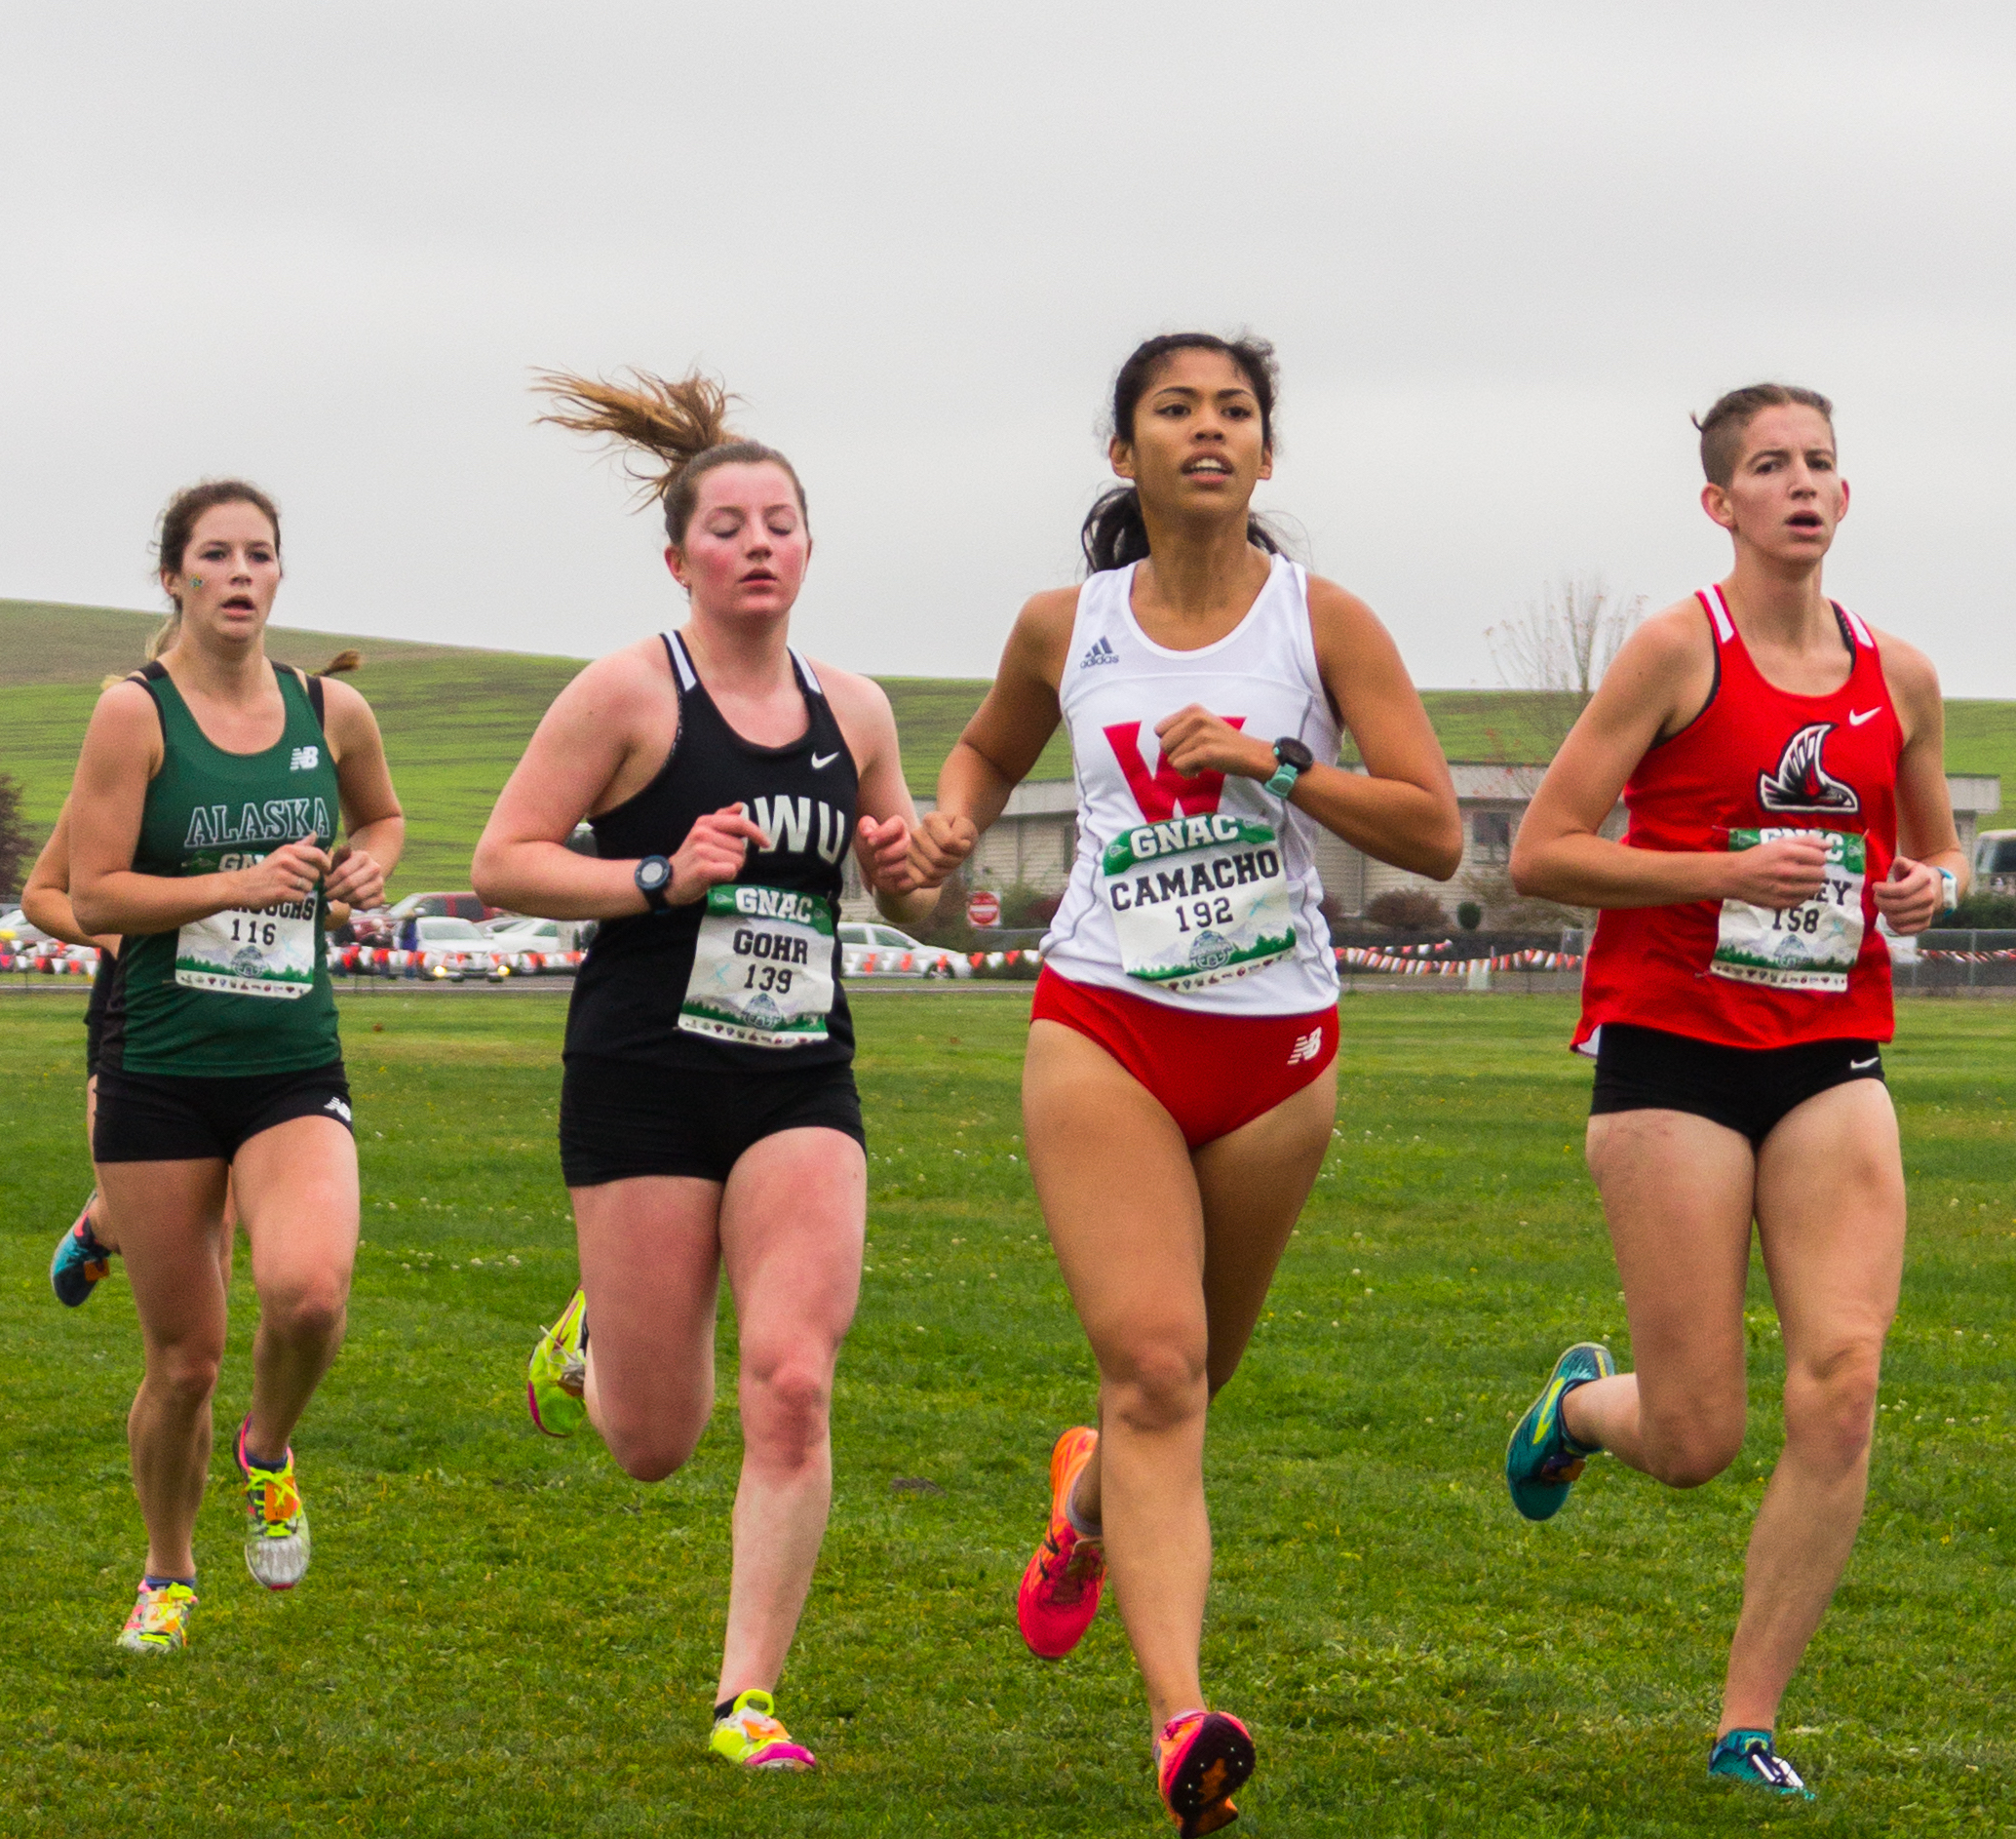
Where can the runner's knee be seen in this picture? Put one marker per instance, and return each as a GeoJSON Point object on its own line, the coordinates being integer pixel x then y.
{"type": "Point", "coordinates": [1155, 1385]}
{"type": "Point", "coordinates": [786, 1406]}
{"type": "Point", "coordinates": [307, 1313]}
{"type": "Point", "coordinates": [1685, 1449]}
{"type": "Point", "coordinates": [186, 1373]}
{"type": "Point", "coordinates": [1830, 1404]}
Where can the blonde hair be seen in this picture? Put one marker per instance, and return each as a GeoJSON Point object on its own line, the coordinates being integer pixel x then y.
{"type": "Point", "coordinates": [676, 433]}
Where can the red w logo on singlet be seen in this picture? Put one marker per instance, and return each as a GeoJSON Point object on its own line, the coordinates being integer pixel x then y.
{"type": "Point", "coordinates": [1165, 793]}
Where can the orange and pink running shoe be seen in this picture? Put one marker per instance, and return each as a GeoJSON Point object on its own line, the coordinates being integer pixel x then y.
{"type": "Point", "coordinates": [1061, 1588]}
{"type": "Point", "coordinates": [1200, 1758]}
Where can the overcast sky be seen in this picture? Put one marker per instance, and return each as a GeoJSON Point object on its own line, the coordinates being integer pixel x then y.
{"type": "Point", "coordinates": [1503, 249]}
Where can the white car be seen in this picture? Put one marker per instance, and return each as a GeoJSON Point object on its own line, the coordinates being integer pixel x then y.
{"type": "Point", "coordinates": [18, 933]}
{"type": "Point", "coordinates": [455, 947]}
{"type": "Point", "coordinates": [512, 940]}
{"type": "Point", "coordinates": [879, 951]}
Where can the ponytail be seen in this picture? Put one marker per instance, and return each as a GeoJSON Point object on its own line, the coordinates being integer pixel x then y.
{"type": "Point", "coordinates": [345, 660]}
{"type": "Point", "coordinates": [676, 433]}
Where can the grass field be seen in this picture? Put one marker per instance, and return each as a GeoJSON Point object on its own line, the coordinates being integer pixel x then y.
{"type": "Point", "coordinates": [504, 1636]}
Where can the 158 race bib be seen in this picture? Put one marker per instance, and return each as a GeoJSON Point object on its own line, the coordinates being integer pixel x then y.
{"type": "Point", "coordinates": [1812, 945]}
{"type": "Point", "coordinates": [244, 954]}
{"type": "Point", "coordinates": [1197, 900]}
{"type": "Point", "coordinates": [762, 968]}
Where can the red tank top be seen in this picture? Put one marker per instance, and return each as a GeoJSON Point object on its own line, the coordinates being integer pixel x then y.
{"type": "Point", "coordinates": [1759, 760]}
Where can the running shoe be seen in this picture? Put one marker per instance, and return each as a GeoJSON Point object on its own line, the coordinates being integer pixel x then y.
{"type": "Point", "coordinates": [752, 1737]}
{"type": "Point", "coordinates": [159, 1620]}
{"type": "Point", "coordinates": [1061, 1588]}
{"type": "Point", "coordinates": [1200, 1758]}
{"type": "Point", "coordinates": [1747, 1756]}
{"type": "Point", "coordinates": [1542, 1461]}
{"type": "Point", "coordinates": [275, 1536]}
{"type": "Point", "coordinates": [558, 1374]}
{"type": "Point", "coordinates": [80, 1261]}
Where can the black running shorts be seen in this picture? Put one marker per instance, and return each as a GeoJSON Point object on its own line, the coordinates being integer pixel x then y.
{"type": "Point", "coordinates": [173, 1117]}
{"type": "Point", "coordinates": [1746, 1089]}
{"type": "Point", "coordinates": [618, 1121]}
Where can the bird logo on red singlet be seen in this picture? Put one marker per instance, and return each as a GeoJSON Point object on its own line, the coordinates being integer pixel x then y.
{"type": "Point", "coordinates": [1802, 782]}
{"type": "Point", "coordinates": [1165, 793]}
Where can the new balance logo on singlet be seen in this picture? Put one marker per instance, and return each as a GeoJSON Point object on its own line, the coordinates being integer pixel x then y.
{"type": "Point", "coordinates": [304, 759]}
{"type": "Point", "coordinates": [1101, 654]}
{"type": "Point", "coordinates": [791, 824]}
{"type": "Point", "coordinates": [1801, 783]}
{"type": "Point", "coordinates": [1306, 1048]}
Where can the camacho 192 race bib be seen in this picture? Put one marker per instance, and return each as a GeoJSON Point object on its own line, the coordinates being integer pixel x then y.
{"type": "Point", "coordinates": [762, 968]}
{"type": "Point", "coordinates": [244, 954]}
{"type": "Point", "coordinates": [1197, 900]}
{"type": "Point", "coordinates": [1812, 945]}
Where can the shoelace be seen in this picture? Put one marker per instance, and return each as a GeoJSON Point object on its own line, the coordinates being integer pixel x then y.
{"type": "Point", "coordinates": [1067, 1579]}
{"type": "Point", "coordinates": [1774, 1769]}
{"type": "Point", "coordinates": [279, 1497]}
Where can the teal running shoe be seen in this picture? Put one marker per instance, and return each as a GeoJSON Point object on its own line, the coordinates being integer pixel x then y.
{"type": "Point", "coordinates": [1542, 1460]}
{"type": "Point", "coordinates": [1747, 1756]}
{"type": "Point", "coordinates": [80, 1261]}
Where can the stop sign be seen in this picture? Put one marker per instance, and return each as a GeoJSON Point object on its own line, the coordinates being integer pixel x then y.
{"type": "Point", "coordinates": [983, 908]}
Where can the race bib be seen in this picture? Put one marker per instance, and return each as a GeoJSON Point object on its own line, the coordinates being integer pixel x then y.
{"type": "Point", "coordinates": [1812, 945]}
{"type": "Point", "coordinates": [762, 968]}
{"type": "Point", "coordinates": [1197, 900]}
{"type": "Point", "coordinates": [244, 954]}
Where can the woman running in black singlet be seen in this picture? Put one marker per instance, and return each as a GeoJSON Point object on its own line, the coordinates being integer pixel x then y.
{"type": "Point", "coordinates": [708, 1113]}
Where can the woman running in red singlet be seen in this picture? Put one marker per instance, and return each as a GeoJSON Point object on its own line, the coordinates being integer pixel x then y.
{"type": "Point", "coordinates": [1189, 996]}
{"type": "Point", "coordinates": [1770, 747]}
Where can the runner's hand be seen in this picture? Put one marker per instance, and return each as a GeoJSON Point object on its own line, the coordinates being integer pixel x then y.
{"type": "Point", "coordinates": [355, 878]}
{"type": "Point", "coordinates": [1911, 898]}
{"type": "Point", "coordinates": [714, 852]}
{"type": "Point", "coordinates": [1779, 874]}
{"type": "Point", "coordinates": [288, 875]}
{"type": "Point", "coordinates": [937, 846]}
{"type": "Point", "coordinates": [888, 848]}
{"type": "Point", "coordinates": [1194, 740]}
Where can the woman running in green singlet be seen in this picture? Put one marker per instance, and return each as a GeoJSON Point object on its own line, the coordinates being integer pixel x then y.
{"type": "Point", "coordinates": [204, 811]}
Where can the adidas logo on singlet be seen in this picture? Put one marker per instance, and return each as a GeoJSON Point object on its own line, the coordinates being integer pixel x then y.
{"type": "Point", "coordinates": [1801, 783]}
{"type": "Point", "coordinates": [1101, 654]}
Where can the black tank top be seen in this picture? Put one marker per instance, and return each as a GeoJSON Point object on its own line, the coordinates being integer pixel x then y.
{"type": "Point", "coordinates": [627, 997]}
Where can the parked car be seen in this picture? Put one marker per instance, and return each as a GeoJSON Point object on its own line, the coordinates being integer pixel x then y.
{"type": "Point", "coordinates": [382, 925]}
{"type": "Point", "coordinates": [18, 933]}
{"type": "Point", "coordinates": [512, 940]}
{"type": "Point", "coordinates": [880, 951]}
{"type": "Point", "coordinates": [463, 951]}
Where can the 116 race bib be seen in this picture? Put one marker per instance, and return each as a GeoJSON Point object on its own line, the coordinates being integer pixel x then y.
{"type": "Point", "coordinates": [246, 954]}
{"type": "Point", "coordinates": [1812, 945]}
{"type": "Point", "coordinates": [762, 968]}
{"type": "Point", "coordinates": [1197, 900]}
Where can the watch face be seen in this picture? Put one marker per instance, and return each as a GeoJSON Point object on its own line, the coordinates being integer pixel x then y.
{"type": "Point", "coordinates": [655, 873]}
{"type": "Point", "coordinates": [1293, 753]}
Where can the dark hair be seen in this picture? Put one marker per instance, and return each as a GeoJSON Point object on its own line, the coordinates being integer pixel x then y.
{"type": "Point", "coordinates": [1114, 532]}
{"type": "Point", "coordinates": [681, 427]}
{"type": "Point", "coordinates": [179, 525]}
{"type": "Point", "coordinates": [1722, 426]}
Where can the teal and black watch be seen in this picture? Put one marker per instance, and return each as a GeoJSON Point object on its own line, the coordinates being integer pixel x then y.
{"type": "Point", "coordinates": [1291, 760]}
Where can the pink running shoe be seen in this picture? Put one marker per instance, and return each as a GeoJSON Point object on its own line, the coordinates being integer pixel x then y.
{"type": "Point", "coordinates": [1200, 1758]}
{"type": "Point", "coordinates": [1061, 1588]}
{"type": "Point", "coordinates": [752, 1737]}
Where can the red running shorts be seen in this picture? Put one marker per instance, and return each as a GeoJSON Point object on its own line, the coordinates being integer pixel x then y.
{"type": "Point", "coordinates": [1209, 1073]}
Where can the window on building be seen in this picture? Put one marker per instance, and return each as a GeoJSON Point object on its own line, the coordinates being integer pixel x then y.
{"type": "Point", "coordinates": [1491, 837]}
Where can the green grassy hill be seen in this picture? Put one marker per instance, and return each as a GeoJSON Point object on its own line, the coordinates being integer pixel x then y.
{"type": "Point", "coordinates": [456, 718]}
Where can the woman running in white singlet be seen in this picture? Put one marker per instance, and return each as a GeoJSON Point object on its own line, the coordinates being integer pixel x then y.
{"type": "Point", "coordinates": [1188, 995]}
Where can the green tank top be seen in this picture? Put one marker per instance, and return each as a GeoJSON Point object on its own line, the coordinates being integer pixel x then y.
{"type": "Point", "coordinates": [239, 993]}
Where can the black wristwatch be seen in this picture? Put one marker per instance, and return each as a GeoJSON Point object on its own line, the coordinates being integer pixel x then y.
{"type": "Point", "coordinates": [654, 877]}
{"type": "Point", "coordinates": [1293, 760]}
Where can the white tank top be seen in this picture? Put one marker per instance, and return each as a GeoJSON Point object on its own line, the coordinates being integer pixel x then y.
{"type": "Point", "coordinates": [1202, 892]}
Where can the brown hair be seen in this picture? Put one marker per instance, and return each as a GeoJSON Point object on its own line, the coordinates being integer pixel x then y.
{"type": "Point", "coordinates": [1114, 532]}
{"type": "Point", "coordinates": [179, 525]}
{"type": "Point", "coordinates": [1724, 427]}
{"type": "Point", "coordinates": [679, 433]}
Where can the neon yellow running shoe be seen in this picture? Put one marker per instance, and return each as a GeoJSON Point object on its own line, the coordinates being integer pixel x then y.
{"type": "Point", "coordinates": [751, 1735]}
{"type": "Point", "coordinates": [558, 1374]}
{"type": "Point", "coordinates": [159, 1620]}
{"type": "Point", "coordinates": [275, 1536]}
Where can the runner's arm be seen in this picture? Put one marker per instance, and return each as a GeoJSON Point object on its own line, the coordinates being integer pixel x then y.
{"type": "Point", "coordinates": [881, 845]}
{"type": "Point", "coordinates": [122, 750]}
{"type": "Point", "coordinates": [373, 824]}
{"type": "Point", "coordinates": [1914, 895]}
{"type": "Point", "coordinates": [1559, 853]}
{"type": "Point", "coordinates": [45, 899]}
{"type": "Point", "coordinates": [1002, 743]}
